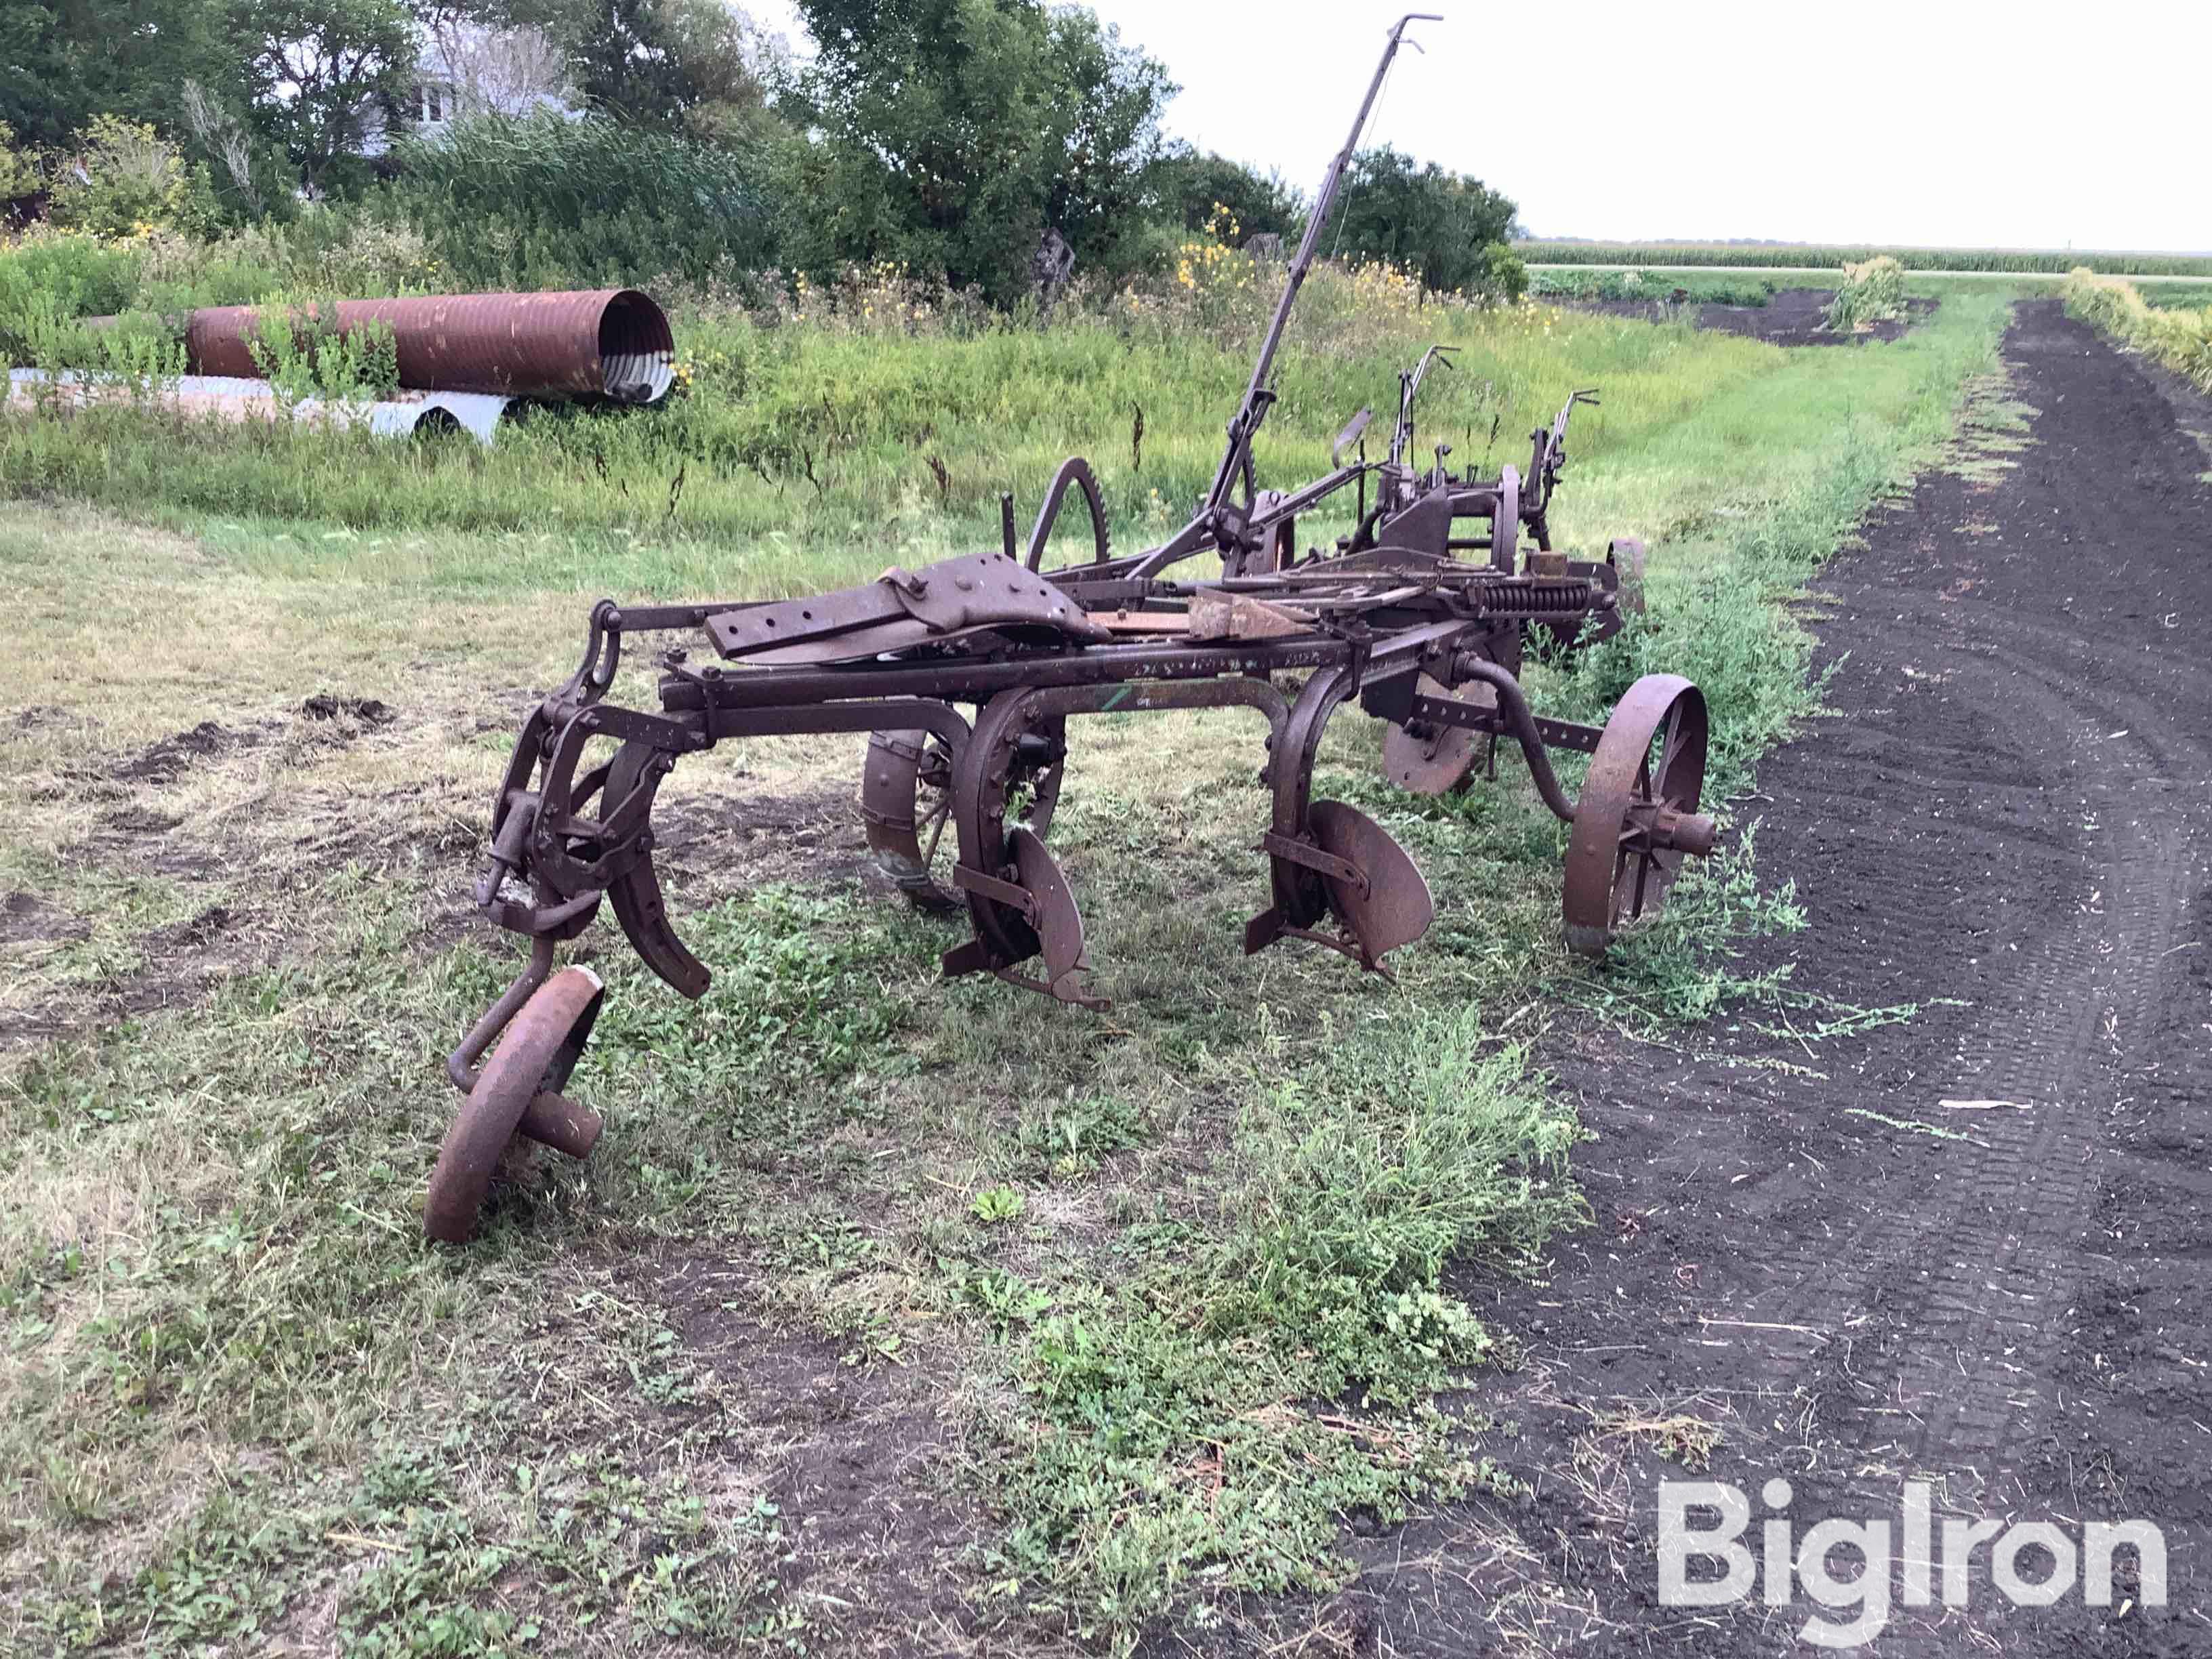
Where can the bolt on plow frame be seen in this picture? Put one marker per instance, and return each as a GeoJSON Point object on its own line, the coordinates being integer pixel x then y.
{"type": "Point", "coordinates": [1392, 618]}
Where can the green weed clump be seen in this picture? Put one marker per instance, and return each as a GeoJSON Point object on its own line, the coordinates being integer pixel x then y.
{"type": "Point", "coordinates": [1680, 289]}
{"type": "Point", "coordinates": [2179, 336]}
{"type": "Point", "coordinates": [1870, 293]}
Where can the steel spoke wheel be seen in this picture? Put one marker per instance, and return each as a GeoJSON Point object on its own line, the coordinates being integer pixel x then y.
{"type": "Point", "coordinates": [906, 803]}
{"type": "Point", "coordinates": [1637, 818]}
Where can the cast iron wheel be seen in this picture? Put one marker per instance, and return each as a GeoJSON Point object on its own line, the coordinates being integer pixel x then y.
{"type": "Point", "coordinates": [906, 802]}
{"type": "Point", "coordinates": [1638, 817]}
{"type": "Point", "coordinates": [535, 1056]}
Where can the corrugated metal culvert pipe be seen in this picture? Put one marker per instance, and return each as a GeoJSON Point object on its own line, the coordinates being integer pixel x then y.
{"type": "Point", "coordinates": [611, 343]}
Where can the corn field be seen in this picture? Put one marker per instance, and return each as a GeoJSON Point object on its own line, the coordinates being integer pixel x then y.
{"type": "Point", "coordinates": [1788, 256]}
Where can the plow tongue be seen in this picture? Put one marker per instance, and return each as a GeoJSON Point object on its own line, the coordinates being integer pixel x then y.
{"type": "Point", "coordinates": [1395, 908]}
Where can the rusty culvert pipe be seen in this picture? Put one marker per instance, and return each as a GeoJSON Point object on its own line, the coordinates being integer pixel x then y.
{"type": "Point", "coordinates": [611, 343]}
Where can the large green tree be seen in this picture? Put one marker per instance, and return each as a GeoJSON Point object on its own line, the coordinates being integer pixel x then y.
{"type": "Point", "coordinates": [953, 133]}
{"type": "Point", "coordinates": [62, 62]}
{"type": "Point", "coordinates": [1192, 184]}
{"type": "Point", "coordinates": [1430, 222]}
{"type": "Point", "coordinates": [688, 62]}
{"type": "Point", "coordinates": [692, 64]}
{"type": "Point", "coordinates": [319, 73]}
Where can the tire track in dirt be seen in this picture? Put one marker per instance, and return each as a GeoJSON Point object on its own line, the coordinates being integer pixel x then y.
{"type": "Point", "coordinates": [1798, 1242]}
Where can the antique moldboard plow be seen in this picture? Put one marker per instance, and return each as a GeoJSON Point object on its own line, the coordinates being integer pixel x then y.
{"type": "Point", "coordinates": [1392, 617]}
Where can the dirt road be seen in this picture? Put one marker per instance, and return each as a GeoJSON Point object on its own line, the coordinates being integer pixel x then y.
{"type": "Point", "coordinates": [1971, 1247]}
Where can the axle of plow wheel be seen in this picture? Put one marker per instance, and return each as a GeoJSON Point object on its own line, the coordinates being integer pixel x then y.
{"type": "Point", "coordinates": [1398, 699]}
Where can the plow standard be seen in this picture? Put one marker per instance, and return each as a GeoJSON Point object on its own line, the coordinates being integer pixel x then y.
{"type": "Point", "coordinates": [1392, 617]}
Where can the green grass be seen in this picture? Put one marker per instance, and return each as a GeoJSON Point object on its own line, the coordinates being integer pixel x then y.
{"type": "Point", "coordinates": [2184, 296]}
{"type": "Point", "coordinates": [882, 1294]}
{"type": "Point", "coordinates": [806, 453]}
{"type": "Point", "coordinates": [1812, 256]}
{"type": "Point", "coordinates": [1688, 289]}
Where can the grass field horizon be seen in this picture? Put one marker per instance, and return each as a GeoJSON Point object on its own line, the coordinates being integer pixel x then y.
{"type": "Point", "coordinates": [2151, 265]}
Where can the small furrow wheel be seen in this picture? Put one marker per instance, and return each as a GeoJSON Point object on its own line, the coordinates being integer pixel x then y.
{"type": "Point", "coordinates": [1637, 818]}
{"type": "Point", "coordinates": [518, 1090]}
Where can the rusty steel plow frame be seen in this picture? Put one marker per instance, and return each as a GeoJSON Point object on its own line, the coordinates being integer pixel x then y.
{"type": "Point", "coordinates": [1428, 643]}
{"type": "Point", "coordinates": [1414, 642]}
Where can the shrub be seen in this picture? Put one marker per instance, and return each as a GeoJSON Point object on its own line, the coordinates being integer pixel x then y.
{"type": "Point", "coordinates": [299, 350]}
{"type": "Point", "coordinates": [19, 168]}
{"type": "Point", "coordinates": [1870, 293]}
{"type": "Point", "coordinates": [1504, 275]}
{"type": "Point", "coordinates": [125, 180]}
{"type": "Point", "coordinates": [2179, 338]}
{"type": "Point", "coordinates": [1193, 187]}
{"type": "Point", "coordinates": [1436, 224]}
{"type": "Point", "coordinates": [85, 277]}
{"type": "Point", "coordinates": [548, 201]}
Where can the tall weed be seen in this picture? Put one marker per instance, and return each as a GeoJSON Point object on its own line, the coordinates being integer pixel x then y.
{"type": "Point", "coordinates": [1870, 293]}
{"type": "Point", "coordinates": [2179, 336]}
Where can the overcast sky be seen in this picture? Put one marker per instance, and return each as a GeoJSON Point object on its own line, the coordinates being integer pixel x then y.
{"type": "Point", "coordinates": [1966, 123]}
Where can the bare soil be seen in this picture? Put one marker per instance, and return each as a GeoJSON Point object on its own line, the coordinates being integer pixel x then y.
{"type": "Point", "coordinates": [1795, 317]}
{"type": "Point", "coordinates": [1800, 1244]}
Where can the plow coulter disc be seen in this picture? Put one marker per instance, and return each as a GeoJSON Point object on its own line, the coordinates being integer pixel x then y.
{"type": "Point", "coordinates": [525, 1075]}
{"type": "Point", "coordinates": [1638, 817]}
{"type": "Point", "coordinates": [1434, 760]}
{"type": "Point", "coordinates": [1395, 909]}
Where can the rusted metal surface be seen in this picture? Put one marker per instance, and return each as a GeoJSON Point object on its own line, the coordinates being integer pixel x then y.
{"type": "Point", "coordinates": [1637, 818]}
{"type": "Point", "coordinates": [1432, 757]}
{"type": "Point", "coordinates": [610, 343]}
{"type": "Point", "coordinates": [1393, 620]}
{"type": "Point", "coordinates": [518, 1089]}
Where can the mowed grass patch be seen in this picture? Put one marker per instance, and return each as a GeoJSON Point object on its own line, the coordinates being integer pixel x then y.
{"type": "Point", "coordinates": [886, 1304]}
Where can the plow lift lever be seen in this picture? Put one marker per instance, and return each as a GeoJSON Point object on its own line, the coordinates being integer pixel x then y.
{"type": "Point", "coordinates": [1244, 426]}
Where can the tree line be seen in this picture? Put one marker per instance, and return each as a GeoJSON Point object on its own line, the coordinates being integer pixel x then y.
{"type": "Point", "coordinates": [945, 136]}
